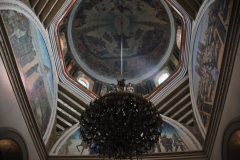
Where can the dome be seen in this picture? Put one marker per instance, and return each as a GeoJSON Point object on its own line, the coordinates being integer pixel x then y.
{"type": "Point", "coordinates": [97, 29]}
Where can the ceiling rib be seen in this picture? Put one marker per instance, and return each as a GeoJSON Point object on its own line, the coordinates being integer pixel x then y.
{"type": "Point", "coordinates": [40, 6]}
{"type": "Point", "coordinates": [46, 9]}
{"type": "Point", "coordinates": [191, 6]}
{"type": "Point", "coordinates": [176, 104]}
{"type": "Point", "coordinates": [69, 108]}
{"type": "Point", "coordinates": [33, 3]}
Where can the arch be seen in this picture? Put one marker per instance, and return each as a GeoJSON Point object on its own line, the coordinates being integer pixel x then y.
{"type": "Point", "coordinates": [71, 144]}
{"type": "Point", "coordinates": [26, 11]}
{"type": "Point", "coordinates": [206, 50]}
{"type": "Point", "coordinates": [13, 134]}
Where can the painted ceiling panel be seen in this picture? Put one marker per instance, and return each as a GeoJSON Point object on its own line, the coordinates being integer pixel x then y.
{"type": "Point", "coordinates": [207, 57]}
{"type": "Point", "coordinates": [99, 28]}
{"type": "Point", "coordinates": [34, 64]}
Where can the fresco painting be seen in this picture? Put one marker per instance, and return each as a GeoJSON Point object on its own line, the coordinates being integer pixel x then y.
{"type": "Point", "coordinates": [207, 55]}
{"type": "Point", "coordinates": [33, 63]}
{"type": "Point", "coordinates": [171, 140]}
{"type": "Point", "coordinates": [98, 27]}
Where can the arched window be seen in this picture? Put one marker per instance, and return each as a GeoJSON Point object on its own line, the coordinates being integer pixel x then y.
{"type": "Point", "coordinates": [84, 82]}
{"type": "Point", "coordinates": [163, 77]}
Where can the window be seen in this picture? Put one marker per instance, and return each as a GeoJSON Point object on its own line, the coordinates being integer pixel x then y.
{"type": "Point", "coordinates": [163, 77]}
{"type": "Point", "coordinates": [84, 82]}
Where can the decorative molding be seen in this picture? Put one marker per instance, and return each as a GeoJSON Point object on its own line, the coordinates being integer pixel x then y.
{"type": "Point", "coordinates": [196, 23]}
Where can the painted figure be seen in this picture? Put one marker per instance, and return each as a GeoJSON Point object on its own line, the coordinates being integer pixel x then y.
{"type": "Point", "coordinates": [83, 144]}
{"type": "Point", "coordinates": [119, 37]}
{"type": "Point", "coordinates": [167, 143]}
{"type": "Point", "coordinates": [177, 142]}
{"type": "Point", "coordinates": [122, 8]}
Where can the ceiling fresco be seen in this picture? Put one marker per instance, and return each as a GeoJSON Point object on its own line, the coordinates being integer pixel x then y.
{"type": "Point", "coordinates": [174, 138]}
{"type": "Point", "coordinates": [207, 56]}
{"type": "Point", "coordinates": [34, 65]}
{"type": "Point", "coordinates": [98, 27]}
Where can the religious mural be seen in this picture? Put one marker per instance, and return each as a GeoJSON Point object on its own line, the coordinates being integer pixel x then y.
{"type": "Point", "coordinates": [99, 27]}
{"type": "Point", "coordinates": [34, 64]}
{"type": "Point", "coordinates": [171, 140]}
{"type": "Point", "coordinates": [207, 55]}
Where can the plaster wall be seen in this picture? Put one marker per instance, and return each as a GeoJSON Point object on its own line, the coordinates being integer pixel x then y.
{"type": "Point", "coordinates": [231, 109]}
{"type": "Point", "coordinates": [10, 113]}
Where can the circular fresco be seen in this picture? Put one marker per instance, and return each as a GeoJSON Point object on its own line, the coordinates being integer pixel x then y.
{"type": "Point", "coordinates": [100, 28]}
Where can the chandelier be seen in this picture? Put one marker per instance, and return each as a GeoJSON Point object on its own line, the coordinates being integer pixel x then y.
{"type": "Point", "coordinates": [121, 124]}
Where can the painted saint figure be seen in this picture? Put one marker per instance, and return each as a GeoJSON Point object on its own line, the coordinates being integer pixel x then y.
{"type": "Point", "coordinates": [118, 37]}
{"type": "Point", "coordinates": [167, 143]}
{"type": "Point", "coordinates": [177, 142]}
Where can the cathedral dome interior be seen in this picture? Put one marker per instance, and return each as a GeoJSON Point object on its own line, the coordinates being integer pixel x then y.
{"type": "Point", "coordinates": [93, 33]}
{"type": "Point", "coordinates": [58, 57]}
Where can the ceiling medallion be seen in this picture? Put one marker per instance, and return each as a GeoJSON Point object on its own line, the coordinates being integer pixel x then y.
{"type": "Point", "coordinates": [121, 124]}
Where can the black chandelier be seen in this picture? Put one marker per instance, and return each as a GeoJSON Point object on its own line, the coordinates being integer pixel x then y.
{"type": "Point", "coordinates": [121, 124]}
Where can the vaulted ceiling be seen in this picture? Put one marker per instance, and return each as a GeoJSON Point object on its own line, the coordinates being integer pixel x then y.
{"type": "Point", "coordinates": [86, 39]}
